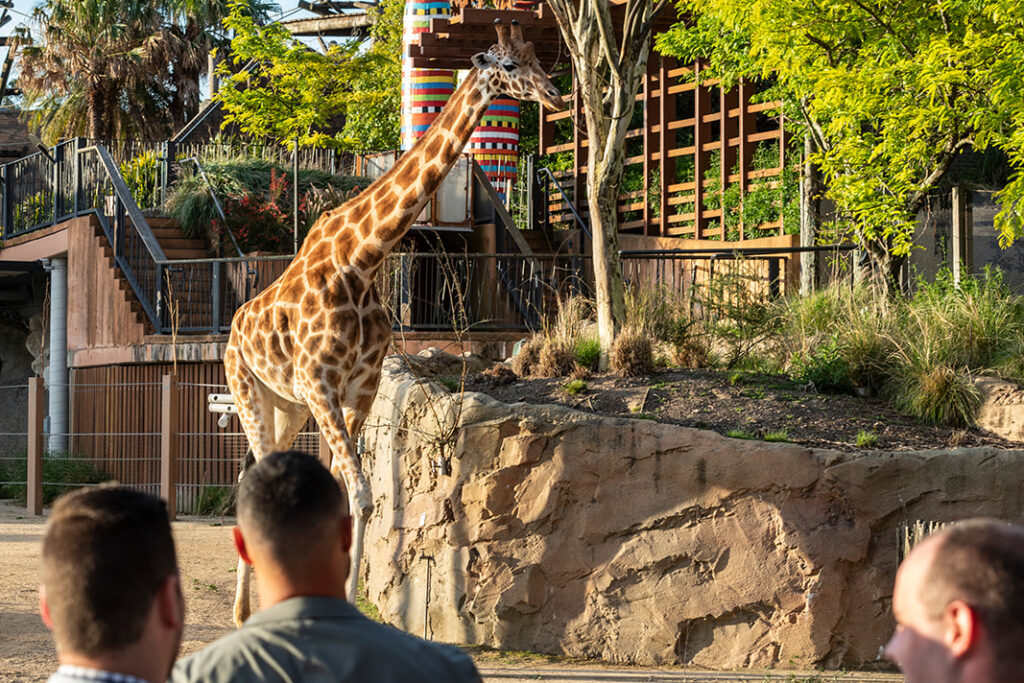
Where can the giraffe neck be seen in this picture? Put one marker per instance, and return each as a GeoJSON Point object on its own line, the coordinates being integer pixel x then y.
{"type": "Point", "coordinates": [399, 196]}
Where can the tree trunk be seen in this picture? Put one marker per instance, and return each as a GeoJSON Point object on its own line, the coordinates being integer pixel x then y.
{"type": "Point", "coordinates": [95, 98]}
{"type": "Point", "coordinates": [809, 221]}
{"type": "Point", "coordinates": [602, 199]}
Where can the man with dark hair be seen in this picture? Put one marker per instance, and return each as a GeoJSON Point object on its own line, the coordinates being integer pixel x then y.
{"type": "Point", "coordinates": [959, 606]}
{"type": "Point", "coordinates": [294, 528]}
{"type": "Point", "coordinates": [110, 589]}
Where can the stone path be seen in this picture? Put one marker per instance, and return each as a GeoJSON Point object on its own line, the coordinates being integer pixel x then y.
{"type": "Point", "coordinates": [555, 674]}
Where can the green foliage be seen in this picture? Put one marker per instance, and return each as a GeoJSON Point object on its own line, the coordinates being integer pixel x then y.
{"type": "Point", "coordinates": [256, 197]}
{"type": "Point", "coordinates": [826, 367]}
{"type": "Point", "coordinates": [888, 92]}
{"type": "Point", "coordinates": [296, 93]}
{"type": "Point", "coordinates": [451, 384]}
{"type": "Point", "coordinates": [142, 176]}
{"type": "Point", "coordinates": [127, 70]}
{"type": "Point", "coordinates": [588, 352]}
{"type": "Point", "coordinates": [866, 439]}
{"type": "Point", "coordinates": [61, 473]}
{"type": "Point", "coordinates": [740, 434]}
{"type": "Point", "coordinates": [574, 387]}
{"type": "Point", "coordinates": [215, 501]}
{"type": "Point", "coordinates": [738, 315]}
{"type": "Point", "coordinates": [364, 605]}
{"type": "Point", "coordinates": [35, 209]}
{"type": "Point", "coordinates": [777, 435]}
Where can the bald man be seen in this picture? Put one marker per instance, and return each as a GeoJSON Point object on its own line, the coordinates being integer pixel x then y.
{"type": "Point", "coordinates": [959, 606]}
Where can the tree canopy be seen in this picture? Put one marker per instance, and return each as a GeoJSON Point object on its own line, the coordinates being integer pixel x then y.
{"type": "Point", "coordinates": [118, 69]}
{"type": "Point", "coordinates": [278, 87]}
{"type": "Point", "coordinates": [889, 92]}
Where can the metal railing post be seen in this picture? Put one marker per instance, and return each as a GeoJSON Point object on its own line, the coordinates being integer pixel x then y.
{"type": "Point", "coordinates": [169, 443]}
{"type": "Point", "coordinates": [160, 298]}
{"type": "Point", "coordinates": [215, 292]}
{"type": "Point", "coordinates": [34, 478]}
{"type": "Point", "coordinates": [5, 202]}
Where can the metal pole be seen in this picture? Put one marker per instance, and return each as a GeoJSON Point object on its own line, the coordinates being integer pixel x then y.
{"type": "Point", "coordinates": [295, 197]}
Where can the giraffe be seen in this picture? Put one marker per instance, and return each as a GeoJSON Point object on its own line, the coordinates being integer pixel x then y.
{"type": "Point", "coordinates": [313, 342]}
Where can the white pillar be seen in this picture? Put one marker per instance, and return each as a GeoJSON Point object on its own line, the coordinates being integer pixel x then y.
{"type": "Point", "coordinates": [58, 374]}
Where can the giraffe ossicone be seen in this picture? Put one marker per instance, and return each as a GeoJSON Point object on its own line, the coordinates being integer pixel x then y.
{"type": "Point", "coordinates": [314, 340]}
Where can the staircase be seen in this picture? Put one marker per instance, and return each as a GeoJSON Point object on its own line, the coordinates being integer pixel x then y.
{"type": "Point", "coordinates": [176, 245]}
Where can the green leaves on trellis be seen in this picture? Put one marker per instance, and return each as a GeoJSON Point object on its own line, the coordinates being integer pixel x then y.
{"type": "Point", "coordinates": [890, 92]}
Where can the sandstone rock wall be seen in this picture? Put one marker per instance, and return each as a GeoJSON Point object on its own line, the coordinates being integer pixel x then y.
{"type": "Point", "coordinates": [557, 531]}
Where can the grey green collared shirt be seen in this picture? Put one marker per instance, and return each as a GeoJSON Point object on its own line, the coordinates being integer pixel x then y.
{"type": "Point", "coordinates": [320, 639]}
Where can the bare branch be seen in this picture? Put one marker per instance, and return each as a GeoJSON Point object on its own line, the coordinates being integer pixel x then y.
{"type": "Point", "coordinates": [945, 160]}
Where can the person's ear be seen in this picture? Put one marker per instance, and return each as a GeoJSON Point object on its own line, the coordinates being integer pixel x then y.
{"type": "Point", "coordinates": [243, 551]}
{"type": "Point", "coordinates": [171, 602]}
{"type": "Point", "coordinates": [44, 608]}
{"type": "Point", "coordinates": [960, 627]}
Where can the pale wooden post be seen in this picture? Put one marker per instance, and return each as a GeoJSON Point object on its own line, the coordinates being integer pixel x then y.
{"type": "Point", "coordinates": [36, 411]}
{"type": "Point", "coordinates": [169, 443]}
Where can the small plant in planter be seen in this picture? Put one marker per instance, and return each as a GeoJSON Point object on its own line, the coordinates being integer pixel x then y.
{"type": "Point", "coordinates": [574, 387]}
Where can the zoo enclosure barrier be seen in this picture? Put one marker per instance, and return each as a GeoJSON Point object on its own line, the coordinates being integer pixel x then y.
{"type": "Point", "coordinates": [479, 292]}
{"type": "Point", "coordinates": [153, 437]}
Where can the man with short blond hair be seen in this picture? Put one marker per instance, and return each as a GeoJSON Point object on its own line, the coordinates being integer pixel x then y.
{"type": "Point", "coordinates": [959, 606]}
{"type": "Point", "coordinates": [110, 590]}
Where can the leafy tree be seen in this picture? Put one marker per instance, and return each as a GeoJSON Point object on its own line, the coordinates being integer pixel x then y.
{"type": "Point", "coordinates": [608, 75]}
{"type": "Point", "coordinates": [287, 91]}
{"type": "Point", "coordinates": [890, 93]}
{"type": "Point", "coordinates": [117, 69]}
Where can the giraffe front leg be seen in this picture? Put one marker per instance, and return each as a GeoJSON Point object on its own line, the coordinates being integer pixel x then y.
{"type": "Point", "coordinates": [345, 468]}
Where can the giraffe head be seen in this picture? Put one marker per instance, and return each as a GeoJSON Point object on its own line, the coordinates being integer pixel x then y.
{"type": "Point", "coordinates": [513, 69]}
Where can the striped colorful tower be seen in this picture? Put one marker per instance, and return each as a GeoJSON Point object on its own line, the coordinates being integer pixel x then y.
{"type": "Point", "coordinates": [424, 91]}
{"type": "Point", "coordinates": [495, 143]}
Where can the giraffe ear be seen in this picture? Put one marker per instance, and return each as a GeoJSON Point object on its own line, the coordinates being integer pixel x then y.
{"type": "Point", "coordinates": [483, 60]}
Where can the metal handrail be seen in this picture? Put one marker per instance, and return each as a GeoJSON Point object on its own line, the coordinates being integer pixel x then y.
{"type": "Point", "coordinates": [216, 203]}
{"type": "Point", "coordinates": [540, 172]}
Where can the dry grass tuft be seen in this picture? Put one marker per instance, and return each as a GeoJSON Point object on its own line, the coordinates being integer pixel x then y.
{"type": "Point", "coordinates": [632, 354]}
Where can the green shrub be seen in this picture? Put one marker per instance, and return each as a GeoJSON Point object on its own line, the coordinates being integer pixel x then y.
{"type": "Point", "coordinates": [141, 175]}
{"type": "Point", "coordinates": [255, 182]}
{"type": "Point", "coordinates": [739, 434]}
{"type": "Point", "coordinates": [939, 393]}
{"type": "Point", "coordinates": [61, 473]}
{"type": "Point", "coordinates": [866, 439]}
{"type": "Point", "coordinates": [450, 383]}
{"type": "Point", "coordinates": [574, 386]}
{"type": "Point", "coordinates": [588, 352]}
{"type": "Point", "coordinates": [825, 367]}
{"type": "Point", "coordinates": [33, 210]}
{"type": "Point", "coordinates": [215, 501]}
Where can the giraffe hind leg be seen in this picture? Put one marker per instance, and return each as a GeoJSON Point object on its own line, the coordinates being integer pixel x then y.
{"type": "Point", "coordinates": [256, 413]}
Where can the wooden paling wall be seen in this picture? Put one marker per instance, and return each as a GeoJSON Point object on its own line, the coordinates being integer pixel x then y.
{"type": "Point", "coordinates": [681, 120]}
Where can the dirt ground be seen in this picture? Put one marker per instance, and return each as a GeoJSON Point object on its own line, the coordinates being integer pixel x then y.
{"type": "Point", "coordinates": [207, 562]}
{"type": "Point", "coordinates": [756, 405]}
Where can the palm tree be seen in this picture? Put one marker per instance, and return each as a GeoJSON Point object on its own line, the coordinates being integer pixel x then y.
{"type": "Point", "coordinates": [118, 68]}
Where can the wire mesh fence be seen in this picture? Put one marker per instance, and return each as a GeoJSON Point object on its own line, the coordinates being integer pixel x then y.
{"type": "Point", "coordinates": [117, 433]}
{"type": "Point", "coordinates": [13, 440]}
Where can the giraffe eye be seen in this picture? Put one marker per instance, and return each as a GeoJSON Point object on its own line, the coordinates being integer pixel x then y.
{"type": "Point", "coordinates": [510, 66]}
